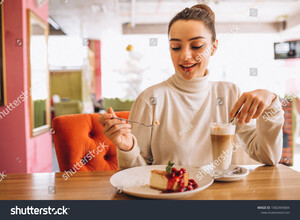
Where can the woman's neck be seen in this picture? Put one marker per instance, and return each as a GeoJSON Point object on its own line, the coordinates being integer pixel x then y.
{"type": "Point", "coordinates": [195, 85]}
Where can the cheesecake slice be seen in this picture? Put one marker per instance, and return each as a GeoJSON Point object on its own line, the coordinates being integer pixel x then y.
{"type": "Point", "coordinates": [175, 181]}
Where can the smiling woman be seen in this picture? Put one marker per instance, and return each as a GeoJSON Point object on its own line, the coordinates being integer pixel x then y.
{"type": "Point", "coordinates": [186, 103]}
{"type": "Point", "coordinates": [187, 63]}
{"type": "Point", "coordinates": [203, 43]}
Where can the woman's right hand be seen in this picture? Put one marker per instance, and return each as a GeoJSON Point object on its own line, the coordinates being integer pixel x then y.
{"type": "Point", "coordinates": [117, 131]}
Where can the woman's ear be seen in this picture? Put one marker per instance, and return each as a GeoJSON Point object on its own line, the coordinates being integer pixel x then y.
{"type": "Point", "coordinates": [214, 47]}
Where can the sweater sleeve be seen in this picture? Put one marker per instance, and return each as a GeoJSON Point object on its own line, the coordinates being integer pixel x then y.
{"type": "Point", "coordinates": [262, 137]}
{"type": "Point", "coordinates": [140, 154]}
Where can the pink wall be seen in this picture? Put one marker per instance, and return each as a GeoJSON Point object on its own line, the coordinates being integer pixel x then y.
{"type": "Point", "coordinates": [19, 153]}
{"type": "Point", "coordinates": [98, 68]}
{"type": "Point", "coordinates": [12, 127]}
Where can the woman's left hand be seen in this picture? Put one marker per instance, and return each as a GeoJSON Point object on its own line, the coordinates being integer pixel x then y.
{"type": "Point", "coordinates": [255, 102]}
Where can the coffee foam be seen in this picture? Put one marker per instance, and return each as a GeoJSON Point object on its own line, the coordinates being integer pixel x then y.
{"type": "Point", "coordinates": [222, 129]}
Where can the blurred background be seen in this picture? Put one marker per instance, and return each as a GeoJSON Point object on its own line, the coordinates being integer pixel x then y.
{"type": "Point", "coordinates": [102, 53]}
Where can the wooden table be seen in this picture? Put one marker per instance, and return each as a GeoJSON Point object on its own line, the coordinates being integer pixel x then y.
{"type": "Point", "coordinates": [263, 183]}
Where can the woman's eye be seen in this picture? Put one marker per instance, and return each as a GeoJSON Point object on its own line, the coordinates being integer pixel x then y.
{"type": "Point", "coordinates": [197, 47]}
{"type": "Point", "coordinates": [175, 48]}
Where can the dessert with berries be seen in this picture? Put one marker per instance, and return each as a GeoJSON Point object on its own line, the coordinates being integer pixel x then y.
{"type": "Point", "coordinates": [172, 180]}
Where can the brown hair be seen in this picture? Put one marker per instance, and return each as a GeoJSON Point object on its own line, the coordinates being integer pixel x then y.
{"type": "Point", "coordinates": [200, 12]}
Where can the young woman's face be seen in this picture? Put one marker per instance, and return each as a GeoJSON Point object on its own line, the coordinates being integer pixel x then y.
{"type": "Point", "coordinates": [191, 47]}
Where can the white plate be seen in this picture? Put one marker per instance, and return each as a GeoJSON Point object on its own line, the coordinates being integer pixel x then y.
{"type": "Point", "coordinates": [135, 181]}
{"type": "Point", "coordinates": [234, 177]}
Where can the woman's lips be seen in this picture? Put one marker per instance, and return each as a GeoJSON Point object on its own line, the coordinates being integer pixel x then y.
{"type": "Point", "coordinates": [188, 68]}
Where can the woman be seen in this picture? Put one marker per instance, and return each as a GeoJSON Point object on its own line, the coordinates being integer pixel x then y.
{"type": "Point", "coordinates": [187, 102]}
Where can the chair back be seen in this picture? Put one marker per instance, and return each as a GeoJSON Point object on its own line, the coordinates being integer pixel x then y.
{"type": "Point", "coordinates": [80, 144]}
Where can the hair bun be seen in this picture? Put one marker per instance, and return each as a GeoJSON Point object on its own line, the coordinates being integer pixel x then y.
{"type": "Point", "coordinates": [205, 8]}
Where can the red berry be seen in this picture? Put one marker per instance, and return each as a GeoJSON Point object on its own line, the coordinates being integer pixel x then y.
{"type": "Point", "coordinates": [174, 169]}
{"type": "Point", "coordinates": [189, 188]}
{"type": "Point", "coordinates": [182, 184]}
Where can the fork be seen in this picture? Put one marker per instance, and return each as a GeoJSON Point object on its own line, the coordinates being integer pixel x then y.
{"type": "Point", "coordinates": [131, 121]}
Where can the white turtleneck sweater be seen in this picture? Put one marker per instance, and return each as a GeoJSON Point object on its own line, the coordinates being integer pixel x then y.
{"type": "Point", "coordinates": [184, 109]}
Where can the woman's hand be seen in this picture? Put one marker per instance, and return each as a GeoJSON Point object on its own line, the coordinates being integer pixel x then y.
{"type": "Point", "coordinates": [255, 102]}
{"type": "Point", "coordinates": [116, 131]}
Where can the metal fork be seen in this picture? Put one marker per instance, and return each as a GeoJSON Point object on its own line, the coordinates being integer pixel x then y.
{"type": "Point", "coordinates": [130, 121]}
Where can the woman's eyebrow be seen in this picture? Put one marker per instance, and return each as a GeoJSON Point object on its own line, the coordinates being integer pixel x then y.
{"type": "Point", "coordinates": [193, 38]}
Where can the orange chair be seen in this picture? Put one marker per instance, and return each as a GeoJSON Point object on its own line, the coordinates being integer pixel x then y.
{"type": "Point", "coordinates": [80, 144]}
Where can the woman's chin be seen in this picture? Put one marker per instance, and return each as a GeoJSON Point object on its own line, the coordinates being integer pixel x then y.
{"type": "Point", "coordinates": [188, 75]}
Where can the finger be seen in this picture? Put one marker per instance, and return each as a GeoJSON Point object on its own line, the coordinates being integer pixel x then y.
{"type": "Point", "coordinates": [103, 118]}
{"type": "Point", "coordinates": [237, 105]}
{"type": "Point", "coordinates": [109, 124]}
{"type": "Point", "coordinates": [119, 132]}
{"type": "Point", "coordinates": [252, 110]}
{"type": "Point", "coordinates": [260, 110]}
{"type": "Point", "coordinates": [123, 138]}
{"type": "Point", "coordinates": [244, 111]}
{"type": "Point", "coordinates": [110, 110]}
{"type": "Point", "coordinates": [115, 128]}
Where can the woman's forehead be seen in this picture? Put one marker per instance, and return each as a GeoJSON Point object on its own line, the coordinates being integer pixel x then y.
{"type": "Point", "coordinates": [185, 30]}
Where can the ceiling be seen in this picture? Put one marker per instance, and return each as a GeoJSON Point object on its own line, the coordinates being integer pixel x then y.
{"type": "Point", "coordinates": [88, 18]}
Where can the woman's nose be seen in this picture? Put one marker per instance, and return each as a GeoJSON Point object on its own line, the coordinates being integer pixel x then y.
{"type": "Point", "coordinates": [186, 54]}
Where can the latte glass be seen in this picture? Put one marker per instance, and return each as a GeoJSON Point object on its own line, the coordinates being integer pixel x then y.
{"type": "Point", "coordinates": [222, 137]}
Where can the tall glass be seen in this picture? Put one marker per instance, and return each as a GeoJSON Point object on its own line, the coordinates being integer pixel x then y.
{"type": "Point", "coordinates": [222, 137]}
